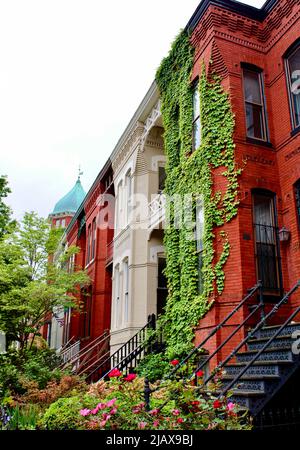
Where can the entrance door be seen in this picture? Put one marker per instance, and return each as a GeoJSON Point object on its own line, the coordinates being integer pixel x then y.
{"type": "Point", "coordinates": [266, 243]}
{"type": "Point", "coordinates": [162, 291]}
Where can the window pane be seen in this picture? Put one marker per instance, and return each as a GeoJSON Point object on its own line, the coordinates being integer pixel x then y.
{"type": "Point", "coordinates": [196, 134]}
{"type": "Point", "coordinates": [196, 103]}
{"type": "Point", "coordinates": [200, 224]}
{"type": "Point", "coordinates": [162, 178]}
{"type": "Point", "coordinates": [254, 120]}
{"type": "Point", "coordinates": [294, 65]}
{"type": "Point", "coordinates": [252, 87]}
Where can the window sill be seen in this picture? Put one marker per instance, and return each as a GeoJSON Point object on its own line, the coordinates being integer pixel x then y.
{"type": "Point", "coordinates": [295, 131]}
{"type": "Point", "coordinates": [254, 141]}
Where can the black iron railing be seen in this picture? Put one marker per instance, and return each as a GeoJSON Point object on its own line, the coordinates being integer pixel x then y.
{"type": "Point", "coordinates": [267, 344]}
{"type": "Point", "coordinates": [258, 288]}
{"type": "Point", "coordinates": [128, 355]}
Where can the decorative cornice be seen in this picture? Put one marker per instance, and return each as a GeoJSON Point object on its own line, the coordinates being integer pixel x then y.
{"type": "Point", "coordinates": [132, 141]}
{"type": "Point", "coordinates": [257, 34]}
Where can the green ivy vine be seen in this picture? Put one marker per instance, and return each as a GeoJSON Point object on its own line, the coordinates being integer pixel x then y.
{"type": "Point", "coordinates": [192, 173]}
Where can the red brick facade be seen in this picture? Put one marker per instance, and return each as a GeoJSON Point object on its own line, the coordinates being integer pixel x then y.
{"type": "Point", "coordinates": [230, 39]}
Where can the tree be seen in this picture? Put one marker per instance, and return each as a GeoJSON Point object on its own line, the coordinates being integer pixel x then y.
{"type": "Point", "coordinates": [31, 283]}
{"type": "Point", "coordinates": [5, 212]}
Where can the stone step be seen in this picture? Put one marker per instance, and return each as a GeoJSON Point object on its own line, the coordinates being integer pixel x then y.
{"type": "Point", "coordinates": [279, 342]}
{"type": "Point", "coordinates": [259, 368]}
{"type": "Point", "coordinates": [251, 382]}
{"type": "Point", "coordinates": [270, 331]}
{"type": "Point", "coordinates": [276, 354]}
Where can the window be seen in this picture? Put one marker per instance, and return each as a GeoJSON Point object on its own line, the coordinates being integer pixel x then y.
{"type": "Point", "coordinates": [87, 313]}
{"type": "Point", "coordinates": [161, 179]}
{"type": "Point", "coordinates": [126, 288]}
{"type": "Point", "coordinates": [254, 104]}
{"type": "Point", "coordinates": [297, 196]}
{"type": "Point", "coordinates": [162, 285]}
{"type": "Point", "coordinates": [119, 207]}
{"type": "Point", "coordinates": [63, 223]}
{"type": "Point", "coordinates": [196, 118]}
{"type": "Point", "coordinates": [128, 195]}
{"type": "Point", "coordinates": [199, 240]}
{"type": "Point", "coordinates": [93, 239]}
{"type": "Point", "coordinates": [57, 223]}
{"type": "Point", "coordinates": [117, 295]}
{"type": "Point", "coordinates": [293, 76]}
{"type": "Point", "coordinates": [266, 241]}
{"type": "Point", "coordinates": [88, 253]}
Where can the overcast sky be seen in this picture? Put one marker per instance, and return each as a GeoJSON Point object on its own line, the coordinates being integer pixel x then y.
{"type": "Point", "coordinates": [72, 73]}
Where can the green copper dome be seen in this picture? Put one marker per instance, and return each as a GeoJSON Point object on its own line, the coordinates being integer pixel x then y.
{"type": "Point", "coordinates": [70, 202]}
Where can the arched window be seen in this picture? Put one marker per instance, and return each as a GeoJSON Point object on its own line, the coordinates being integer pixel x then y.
{"type": "Point", "coordinates": [292, 64]}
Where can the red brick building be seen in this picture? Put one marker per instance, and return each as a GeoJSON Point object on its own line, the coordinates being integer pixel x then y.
{"type": "Point", "coordinates": [257, 54]}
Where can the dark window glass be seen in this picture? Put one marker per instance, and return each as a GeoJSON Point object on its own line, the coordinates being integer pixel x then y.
{"type": "Point", "coordinates": [267, 258]}
{"type": "Point", "coordinates": [297, 195]}
{"type": "Point", "coordinates": [254, 103]}
{"type": "Point", "coordinates": [162, 290]}
{"type": "Point", "coordinates": [196, 119]}
{"type": "Point", "coordinates": [293, 73]}
{"type": "Point", "coordinates": [161, 179]}
{"type": "Point", "coordinates": [87, 313]}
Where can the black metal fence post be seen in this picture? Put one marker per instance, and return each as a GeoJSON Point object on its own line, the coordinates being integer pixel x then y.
{"type": "Point", "coordinates": [147, 392]}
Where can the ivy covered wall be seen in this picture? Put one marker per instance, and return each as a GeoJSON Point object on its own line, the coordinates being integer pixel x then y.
{"type": "Point", "coordinates": [192, 172]}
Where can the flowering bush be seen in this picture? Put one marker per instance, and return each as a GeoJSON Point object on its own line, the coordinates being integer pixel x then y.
{"type": "Point", "coordinates": [118, 404]}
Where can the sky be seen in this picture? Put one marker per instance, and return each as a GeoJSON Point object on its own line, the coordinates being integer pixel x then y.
{"type": "Point", "coordinates": [72, 74]}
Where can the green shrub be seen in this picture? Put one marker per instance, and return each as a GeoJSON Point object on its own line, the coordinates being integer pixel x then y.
{"type": "Point", "coordinates": [62, 415]}
{"type": "Point", "coordinates": [154, 367]}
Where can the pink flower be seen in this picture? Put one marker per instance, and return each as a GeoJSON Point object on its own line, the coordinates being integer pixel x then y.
{"type": "Point", "coordinates": [101, 406]}
{"type": "Point", "coordinates": [142, 425]}
{"type": "Point", "coordinates": [156, 423]}
{"type": "Point", "coordinates": [230, 406]}
{"type": "Point", "coordinates": [106, 416]}
{"type": "Point", "coordinates": [130, 377]}
{"type": "Point", "coordinates": [154, 412]}
{"type": "Point", "coordinates": [180, 420]}
{"type": "Point", "coordinates": [175, 362]}
{"type": "Point", "coordinates": [175, 412]}
{"type": "Point", "coordinates": [111, 403]}
{"type": "Point", "coordinates": [95, 411]}
{"type": "Point", "coordinates": [102, 423]}
{"type": "Point", "coordinates": [85, 412]}
{"type": "Point", "coordinates": [113, 411]}
{"type": "Point", "coordinates": [115, 373]}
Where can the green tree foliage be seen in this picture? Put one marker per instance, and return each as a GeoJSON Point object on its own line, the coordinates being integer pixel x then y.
{"type": "Point", "coordinates": [31, 283]}
{"type": "Point", "coordinates": [5, 212]}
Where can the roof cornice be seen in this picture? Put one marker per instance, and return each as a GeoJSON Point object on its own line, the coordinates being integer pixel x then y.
{"type": "Point", "coordinates": [251, 12]}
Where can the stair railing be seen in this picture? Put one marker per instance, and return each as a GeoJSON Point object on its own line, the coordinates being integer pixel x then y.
{"type": "Point", "coordinates": [257, 288]}
{"type": "Point", "coordinates": [252, 291]}
{"type": "Point", "coordinates": [83, 354]}
{"type": "Point", "coordinates": [128, 352]}
{"type": "Point", "coordinates": [268, 343]}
